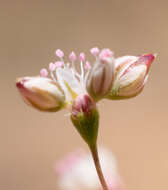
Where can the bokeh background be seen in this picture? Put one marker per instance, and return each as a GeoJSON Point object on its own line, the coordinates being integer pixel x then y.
{"type": "Point", "coordinates": [136, 130]}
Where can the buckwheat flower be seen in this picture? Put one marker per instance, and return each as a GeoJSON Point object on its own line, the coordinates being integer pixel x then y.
{"type": "Point", "coordinates": [131, 74]}
{"type": "Point", "coordinates": [77, 85]}
{"type": "Point", "coordinates": [76, 171]}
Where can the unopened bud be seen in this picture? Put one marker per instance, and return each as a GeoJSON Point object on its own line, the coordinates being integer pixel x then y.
{"type": "Point", "coordinates": [85, 118]}
{"type": "Point", "coordinates": [131, 74]}
{"type": "Point", "coordinates": [41, 93]}
{"type": "Point", "coordinates": [100, 79]}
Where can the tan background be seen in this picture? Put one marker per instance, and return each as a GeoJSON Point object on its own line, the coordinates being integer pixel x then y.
{"type": "Point", "coordinates": [135, 130]}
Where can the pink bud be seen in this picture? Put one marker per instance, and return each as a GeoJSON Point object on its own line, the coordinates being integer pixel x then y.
{"type": "Point", "coordinates": [94, 51]}
{"type": "Point", "coordinates": [82, 57]}
{"type": "Point", "coordinates": [59, 63]}
{"type": "Point", "coordinates": [72, 56]}
{"type": "Point", "coordinates": [85, 118]}
{"type": "Point", "coordinates": [52, 67]}
{"type": "Point", "coordinates": [83, 104]}
{"type": "Point", "coordinates": [43, 72]}
{"type": "Point", "coordinates": [105, 53]}
{"type": "Point", "coordinates": [87, 65]}
{"type": "Point", "coordinates": [59, 53]}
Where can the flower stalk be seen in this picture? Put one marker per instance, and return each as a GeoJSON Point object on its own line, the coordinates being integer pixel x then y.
{"type": "Point", "coordinates": [95, 156]}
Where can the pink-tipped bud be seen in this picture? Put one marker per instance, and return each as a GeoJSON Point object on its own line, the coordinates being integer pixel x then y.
{"type": "Point", "coordinates": [43, 72]}
{"type": "Point", "coordinates": [82, 57]}
{"type": "Point", "coordinates": [83, 105]}
{"type": "Point", "coordinates": [87, 65]}
{"type": "Point", "coordinates": [146, 59]}
{"type": "Point", "coordinates": [100, 78]}
{"type": "Point", "coordinates": [72, 56]}
{"type": "Point", "coordinates": [52, 67]}
{"type": "Point", "coordinates": [59, 63]}
{"type": "Point", "coordinates": [131, 74]}
{"type": "Point", "coordinates": [59, 53]}
{"type": "Point", "coordinates": [94, 51]}
{"type": "Point", "coordinates": [105, 53]}
{"type": "Point", "coordinates": [41, 93]}
{"type": "Point", "coordinates": [85, 118]}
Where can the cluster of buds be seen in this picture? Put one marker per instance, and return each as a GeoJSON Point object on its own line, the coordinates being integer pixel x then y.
{"type": "Point", "coordinates": [80, 90]}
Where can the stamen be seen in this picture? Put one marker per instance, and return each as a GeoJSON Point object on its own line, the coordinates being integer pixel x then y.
{"type": "Point", "coordinates": [82, 70]}
{"type": "Point", "coordinates": [52, 67]}
{"type": "Point", "coordinates": [87, 65]}
{"type": "Point", "coordinates": [59, 53]}
{"type": "Point", "coordinates": [105, 53]}
{"type": "Point", "coordinates": [72, 56]}
{"type": "Point", "coordinates": [43, 72]}
{"type": "Point", "coordinates": [59, 64]}
{"type": "Point", "coordinates": [94, 51]}
{"type": "Point", "coordinates": [82, 57]}
{"type": "Point", "coordinates": [52, 76]}
{"type": "Point", "coordinates": [86, 76]}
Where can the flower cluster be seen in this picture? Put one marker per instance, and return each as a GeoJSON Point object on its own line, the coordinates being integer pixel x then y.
{"type": "Point", "coordinates": [78, 85]}
{"type": "Point", "coordinates": [108, 77]}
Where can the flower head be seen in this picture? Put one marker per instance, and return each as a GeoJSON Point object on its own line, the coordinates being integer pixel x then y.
{"type": "Point", "coordinates": [78, 85]}
{"type": "Point", "coordinates": [94, 80]}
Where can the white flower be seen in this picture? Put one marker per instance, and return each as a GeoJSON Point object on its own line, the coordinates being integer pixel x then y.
{"type": "Point", "coordinates": [77, 171]}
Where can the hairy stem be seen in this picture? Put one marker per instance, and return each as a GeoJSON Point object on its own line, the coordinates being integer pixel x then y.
{"type": "Point", "coordinates": [98, 167]}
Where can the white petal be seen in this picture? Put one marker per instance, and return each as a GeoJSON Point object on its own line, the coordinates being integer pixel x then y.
{"type": "Point", "coordinates": [125, 59]}
{"type": "Point", "coordinates": [132, 75]}
{"type": "Point", "coordinates": [43, 84]}
{"type": "Point", "coordinates": [68, 82]}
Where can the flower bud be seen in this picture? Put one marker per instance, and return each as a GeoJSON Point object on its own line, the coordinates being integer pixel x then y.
{"type": "Point", "coordinates": [41, 93]}
{"type": "Point", "coordinates": [85, 118]}
{"type": "Point", "coordinates": [100, 78]}
{"type": "Point", "coordinates": [130, 76]}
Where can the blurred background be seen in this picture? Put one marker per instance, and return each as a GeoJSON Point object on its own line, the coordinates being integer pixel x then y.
{"type": "Point", "coordinates": [136, 130]}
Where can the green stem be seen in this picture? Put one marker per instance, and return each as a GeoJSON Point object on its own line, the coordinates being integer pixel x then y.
{"type": "Point", "coordinates": [98, 167]}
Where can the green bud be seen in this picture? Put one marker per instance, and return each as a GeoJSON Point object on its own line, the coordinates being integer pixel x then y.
{"type": "Point", "coordinates": [85, 118]}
